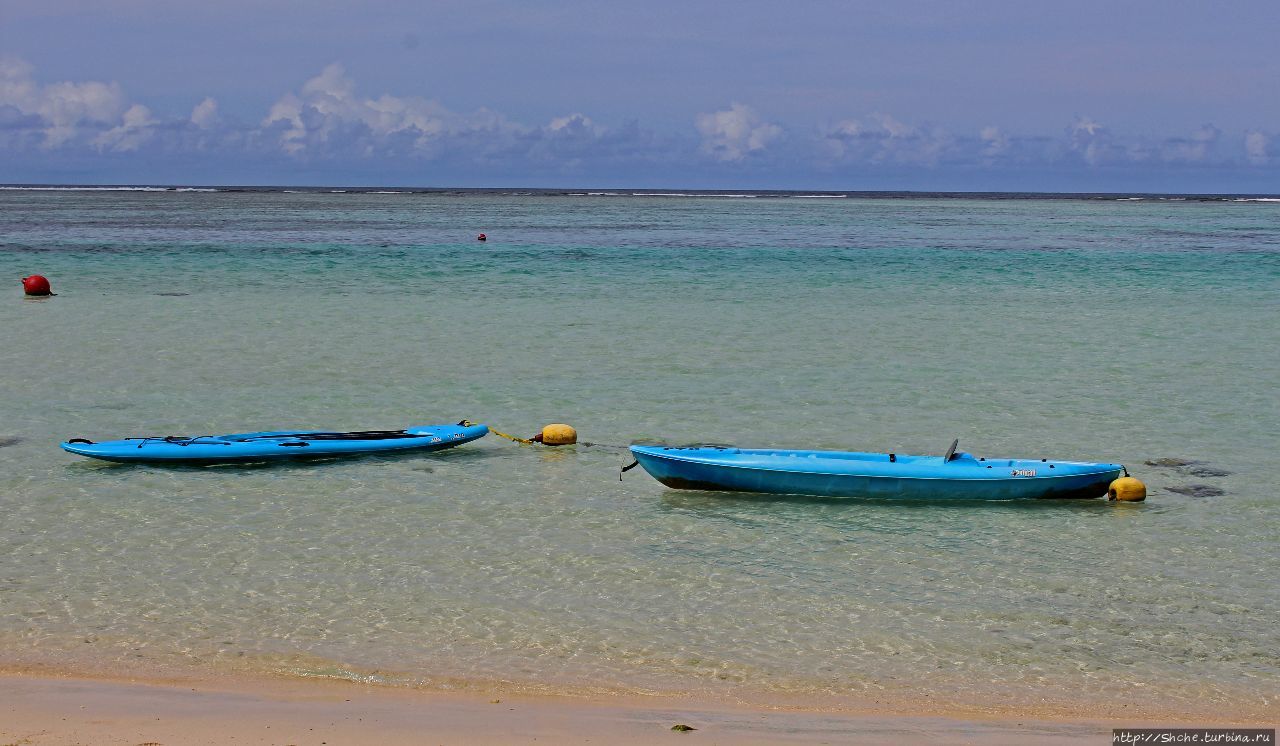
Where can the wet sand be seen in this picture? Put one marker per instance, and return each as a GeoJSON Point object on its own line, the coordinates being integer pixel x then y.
{"type": "Point", "coordinates": [40, 710]}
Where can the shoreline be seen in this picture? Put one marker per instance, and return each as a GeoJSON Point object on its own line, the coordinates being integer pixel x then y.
{"type": "Point", "coordinates": [42, 709]}
{"type": "Point", "coordinates": [1045, 703]}
{"type": "Point", "coordinates": [41, 706]}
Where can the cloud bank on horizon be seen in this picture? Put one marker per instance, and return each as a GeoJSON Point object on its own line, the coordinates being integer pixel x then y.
{"type": "Point", "coordinates": [331, 126]}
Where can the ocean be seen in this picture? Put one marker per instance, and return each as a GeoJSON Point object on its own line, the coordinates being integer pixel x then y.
{"type": "Point", "coordinates": [1102, 328]}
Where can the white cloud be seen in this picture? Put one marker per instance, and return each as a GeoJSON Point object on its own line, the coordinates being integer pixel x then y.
{"type": "Point", "coordinates": [65, 110]}
{"type": "Point", "coordinates": [1193, 149]}
{"type": "Point", "coordinates": [328, 119]}
{"type": "Point", "coordinates": [995, 142]}
{"type": "Point", "coordinates": [893, 126]}
{"type": "Point", "coordinates": [205, 114]}
{"type": "Point", "coordinates": [332, 82]}
{"type": "Point", "coordinates": [1093, 142]}
{"type": "Point", "coordinates": [1096, 145]}
{"type": "Point", "coordinates": [885, 139]}
{"type": "Point", "coordinates": [327, 114]}
{"type": "Point", "coordinates": [134, 129]}
{"type": "Point", "coordinates": [731, 134]}
{"type": "Point", "coordinates": [1255, 147]}
{"type": "Point", "coordinates": [329, 124]}
{"type": "Point", "coordinates": [1086, 127]}
{"type": "Point", "coordinates": [576, 123]}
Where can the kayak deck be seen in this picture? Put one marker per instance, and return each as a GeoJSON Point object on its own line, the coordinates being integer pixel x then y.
{"type": "Point", "coordinates": [276, 445]}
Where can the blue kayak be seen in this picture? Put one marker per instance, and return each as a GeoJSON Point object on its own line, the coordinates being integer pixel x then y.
{"type": "Point", "coordinates": [848, 474]}
{"type": "Point", "coordinates": [278, 445]}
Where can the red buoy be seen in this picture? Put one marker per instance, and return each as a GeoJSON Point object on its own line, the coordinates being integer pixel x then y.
{"type": "Point", "coordinates": [36, 285]}
{"type": "Point", "coordinates": [482, 237]}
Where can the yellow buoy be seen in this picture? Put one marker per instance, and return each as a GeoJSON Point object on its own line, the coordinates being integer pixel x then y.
{"type": "Point", "coordinates": [1127, 489]}
{"type": "Point", "coordinates": [558, 434]}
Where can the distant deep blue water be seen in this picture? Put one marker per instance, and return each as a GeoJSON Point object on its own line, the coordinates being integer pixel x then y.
{"type": "Point", "coordinates": [1091, 328]}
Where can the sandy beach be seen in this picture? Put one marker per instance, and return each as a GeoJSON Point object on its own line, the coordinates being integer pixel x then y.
{"type": "Point", "coordinates": [42, 710]}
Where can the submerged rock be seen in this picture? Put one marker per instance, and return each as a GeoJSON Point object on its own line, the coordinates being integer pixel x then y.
{"type": "Point", "coordinates": [1207, 471]}
{"type": "Point", "coordinates": [9, 440]}
{"type": "Point", "coordinates": [1169, 462]}
{"type": "Point", "coordinates": [1198, 490]}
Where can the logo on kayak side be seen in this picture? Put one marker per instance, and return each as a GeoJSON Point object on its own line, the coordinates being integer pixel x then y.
{"type": "Point", "coordinates": [1022, 473]}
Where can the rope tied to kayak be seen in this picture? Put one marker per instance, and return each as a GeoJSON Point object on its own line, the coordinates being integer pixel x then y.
{"type": "Point", "coordinates": [555, 434]}
{"type": "Point", "coordinates": [512, 438]}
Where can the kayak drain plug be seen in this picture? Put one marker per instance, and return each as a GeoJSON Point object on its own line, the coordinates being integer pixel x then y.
{"type": "Point", "coordinates": [1127, 489]}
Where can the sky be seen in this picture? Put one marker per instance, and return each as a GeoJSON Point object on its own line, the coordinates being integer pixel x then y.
{"type": "Point", "coordinates": [1167, 96]}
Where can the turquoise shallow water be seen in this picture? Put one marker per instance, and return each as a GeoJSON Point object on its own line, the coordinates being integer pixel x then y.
{"type": "Point", "coordinates": [1091, 330]}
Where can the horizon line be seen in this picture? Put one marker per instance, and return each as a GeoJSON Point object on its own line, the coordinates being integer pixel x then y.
{"type": "Point", "coordinates": [610, 191]}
